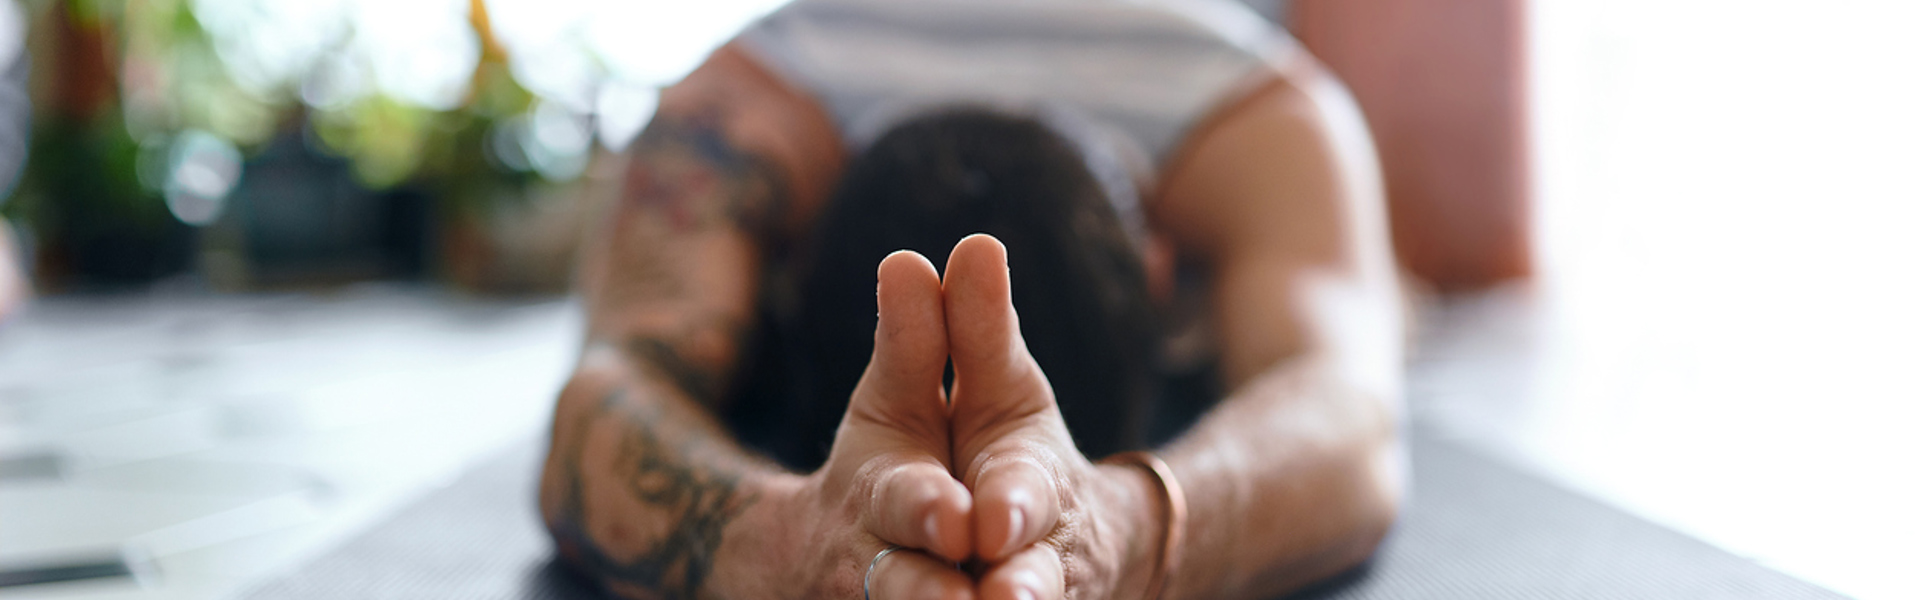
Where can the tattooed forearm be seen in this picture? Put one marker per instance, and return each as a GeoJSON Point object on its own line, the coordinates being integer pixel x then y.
{"type": "Point", "coordinates": [686, 188]}
{"type": "Point", "coordinates": [703, 382]}
{"type": "Point", "coordinates": [687, 492]}
{"type": "Point", "coordinates": [677, 274]}
{"type": "Point", "coordinates": [642, 484]}
{"type": "Point", "coordinates": [686, 172]}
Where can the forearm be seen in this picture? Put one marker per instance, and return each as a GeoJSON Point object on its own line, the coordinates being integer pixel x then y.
{"type": "Point", "coordinates": [1295, 475]}
{"type": "Point", "coordinates": [645, 492]}
{"type": "Point", "coordinates": [644, 488]}
{"type": "Point", "coordinates": [1293, 478]}
{"type": "Point", "coordinates": [670, 275]}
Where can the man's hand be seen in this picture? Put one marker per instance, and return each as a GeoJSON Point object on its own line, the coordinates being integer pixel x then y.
{"type": "Point", "coordinates": [644, 492]}
{"type": "Point", "coordinates": [1051, 523]}
{"type": "Point", "coordinates": [887, 479]}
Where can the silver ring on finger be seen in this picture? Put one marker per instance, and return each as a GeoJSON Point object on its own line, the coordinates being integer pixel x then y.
{"type": "Point", "coordinates": [866, 584]}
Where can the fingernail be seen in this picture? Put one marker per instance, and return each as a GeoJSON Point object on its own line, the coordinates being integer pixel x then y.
{"type": "Point", "coordinates": [1025, 585]}
{"type": "Point", "coordinates": [1015, 521]}
{"type": "Point", "coordinates": [933, 529]}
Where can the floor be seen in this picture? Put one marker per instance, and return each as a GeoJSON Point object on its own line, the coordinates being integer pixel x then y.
{"type": "Point", "coordinates": [214, 441]}
{"type": "Point", "coordinates": [205, 441]}
{"type": "Point", "coordinates": [1799, 456]}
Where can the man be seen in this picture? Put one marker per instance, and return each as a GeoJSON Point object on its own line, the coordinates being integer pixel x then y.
{"type": "Point", "coordinates": [1185, 200]}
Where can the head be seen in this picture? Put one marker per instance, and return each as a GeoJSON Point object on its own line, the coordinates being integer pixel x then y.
{"type": "Point", "coordinates": [1077, 272]}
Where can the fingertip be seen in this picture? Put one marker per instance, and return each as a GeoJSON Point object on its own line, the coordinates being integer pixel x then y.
{"type": "Point", "coordinates": [977, 258]}
{"type": "Point", "coordinates": [1016, 520]}
{"type": "Point", "coordinates": [1014, 507]}
{"type": "Point", "coordinates": [982, 327]}
{"type": "Point", "coordinates": [910, 337]}
{"type": "Point", "coordinates": [917, 576]}
{"type": "Point", "coordinates": [950, 523]}
{"type": "Point", "coordinates": [983, 242]}
{"type": "Point", "coordinates": [1033, 574]}
{"type": "Point", "coordinates": [904, 261]}
{"type": "Point", "coordinates": [905, 276]}
{"type": "Point", "coordinates": [921, 506]}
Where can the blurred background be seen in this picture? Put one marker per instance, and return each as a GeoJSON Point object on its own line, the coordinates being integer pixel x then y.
{"type": "Point", "coordinates": [293, 263]}
{"type": "Point", "coordinates": [239, 145]}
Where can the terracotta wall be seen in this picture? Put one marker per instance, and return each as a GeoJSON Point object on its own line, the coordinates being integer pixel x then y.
{"type": "Point", "coordinates": [1443, 85]}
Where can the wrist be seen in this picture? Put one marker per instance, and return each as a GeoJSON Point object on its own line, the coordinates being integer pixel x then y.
{"type": "Point", "coordinates": [1142, 525]}
{"type": "Point", "coordinates": [763, 548]}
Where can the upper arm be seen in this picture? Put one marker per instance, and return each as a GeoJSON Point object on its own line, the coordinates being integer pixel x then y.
{"type": "Point", "coordinates": [671, 274]}
{"type": "Point", "coordinates": [1280, 196]}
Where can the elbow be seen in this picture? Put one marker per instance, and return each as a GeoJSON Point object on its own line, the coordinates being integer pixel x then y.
{"type": "Point", "coordinates": [554, 495]}
{"type": "Point", "coordinates": [558, 504]}
{"type": "Point", "coordinates": [559, 494]}
{"type": "Point", "coordinates": [1380, 510]}
{"type": "Point", "coordinates": [1359, 497]}
{"type": "Point", "coordinates": [1379, 497]}
{"type": "Point", "coordinates": [559, 513]}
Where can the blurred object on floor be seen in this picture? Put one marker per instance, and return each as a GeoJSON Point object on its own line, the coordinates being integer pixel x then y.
{"type": "Point", "coordinates": [214, 438]}
{"type": "Point", "coordinates": [1445, 89]}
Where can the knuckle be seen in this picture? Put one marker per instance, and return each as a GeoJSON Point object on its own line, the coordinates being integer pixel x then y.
{"type": "Point", "coordinates": [867, 481]}
{"type": "Point", "coordinates": [1015, 454]}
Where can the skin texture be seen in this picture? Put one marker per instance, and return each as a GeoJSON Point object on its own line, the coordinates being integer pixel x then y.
{"type": "Point", "coordinates": [643, 490]}
{"type": "Point", "coordinates": [1052, 521]}
{"type": "Point", "coordinates": [1298, 473]}
{"type": "Point", "coordinates": [1292, 477]}
{"type": "Point", "coordinates": [648, 495]}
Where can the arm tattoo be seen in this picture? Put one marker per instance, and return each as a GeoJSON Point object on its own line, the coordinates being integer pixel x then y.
{"type": "Point", "coordinates": [688, 183]}
{"type": "Point", "coordinates": [696, 496]}
{"type": "Point", "coordinates": [702, 383]}
{"type": "Point", "coordinates": [689, 190]}
{"type": "Point", "coordinates": [688, 173]}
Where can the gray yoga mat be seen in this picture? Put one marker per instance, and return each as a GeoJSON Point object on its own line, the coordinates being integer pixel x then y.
{"type": "Point", "coordinates": [1474, 528]}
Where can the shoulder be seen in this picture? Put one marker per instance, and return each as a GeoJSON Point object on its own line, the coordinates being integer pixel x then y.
{"type": "Point", "coordinates": [762, 115]}
{"type": "Point", "coordinates": [1289, 156]}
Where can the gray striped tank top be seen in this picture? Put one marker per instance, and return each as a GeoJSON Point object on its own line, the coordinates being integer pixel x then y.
{"type": "Point", "coordinates": [1137, 74]}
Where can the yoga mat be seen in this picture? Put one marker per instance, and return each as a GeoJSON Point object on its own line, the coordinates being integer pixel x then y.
{"type": "Point", "coordinates": [1474, 528]}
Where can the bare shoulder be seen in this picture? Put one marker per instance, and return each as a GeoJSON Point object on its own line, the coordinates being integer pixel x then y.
{"type": "Point", "coordinates": [1279, 193]}
{"type": "Point", "coordinates": [1287, 166]}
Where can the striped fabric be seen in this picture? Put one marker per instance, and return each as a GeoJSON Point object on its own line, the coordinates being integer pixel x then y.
{"type": "Point", "coordinates": [1140, 72]}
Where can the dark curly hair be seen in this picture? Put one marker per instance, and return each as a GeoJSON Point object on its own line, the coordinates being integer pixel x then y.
{"type": "Point", "coordinates": [1078, 280]}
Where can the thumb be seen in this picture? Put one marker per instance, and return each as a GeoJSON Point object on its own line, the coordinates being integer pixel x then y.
{"type": "Point", "coordinates": [1006, 427]}
{"type": "Point", "coordinates": [902, 384]}
{"type": "Point", "coordinates": [990, 359]}
{"type": "Point", "coordinates": [895, 437]}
